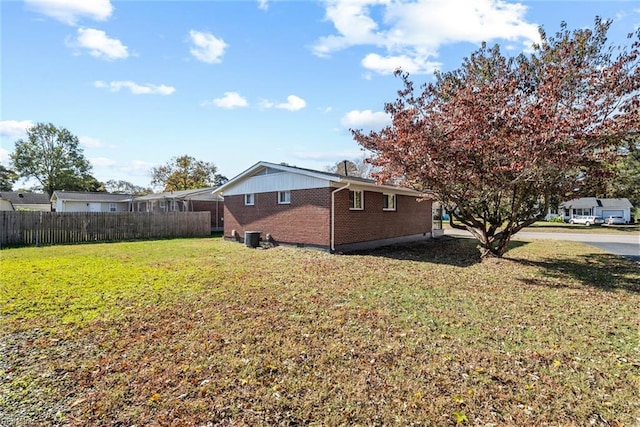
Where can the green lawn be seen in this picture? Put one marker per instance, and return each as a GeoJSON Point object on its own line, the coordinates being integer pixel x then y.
{"type": "Point", "coordinates": [197, 331]}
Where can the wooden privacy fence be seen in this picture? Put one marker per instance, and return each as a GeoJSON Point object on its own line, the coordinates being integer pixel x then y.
{"type": "Point", "coordinates": [50, 228]}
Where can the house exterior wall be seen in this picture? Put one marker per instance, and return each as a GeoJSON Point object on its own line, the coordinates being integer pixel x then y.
{"type": "Point", "coordinates": [602, 208]}
{"type": "Point", "coordinates": [410, 218]}
{"type": "Point", "coordinates": [32, 207]}
{"type": "Point", "coordinates": [606, 212]}
{"type": "Point", "coordinates": [157, 206]}
{"type": "Point", "coordinates": [5, 205]}
{"type": "Point", "coordinates": [216, 207]}
{"type": "Point", "coordinates": [85, 206]}
{"type": "Point", "coordinates": [276, 181]}
{"type": "Point", "coordinates": [307, 219]}
{"type": "Point", "coordinates": [304, 221]}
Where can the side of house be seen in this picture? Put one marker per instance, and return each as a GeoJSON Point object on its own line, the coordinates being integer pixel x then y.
{"type": "Point", "coordinates": [6, 205]}
{"type": "Point", "coordinates": [196, 200]}
{"type": "Point", "coordinates": [603, 208]}
{"type": "Point", "coordinates": [75, 201]}
{"type": "Point", "coordinates": [312, 208]}
{"type": "Point", "coordinates": [25, 201]}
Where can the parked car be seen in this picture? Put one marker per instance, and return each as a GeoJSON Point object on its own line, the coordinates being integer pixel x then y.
{"type": "Point", "coordinates": [586, 220]}
{"type": "Point", "coordinates": [615, 220]}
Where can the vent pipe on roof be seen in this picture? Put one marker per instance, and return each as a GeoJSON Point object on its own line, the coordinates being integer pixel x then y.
{"type": "Point", "coordinates": [346, 173]}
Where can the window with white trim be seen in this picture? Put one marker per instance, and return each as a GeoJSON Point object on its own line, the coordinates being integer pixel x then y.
{"type": "Point", "coordinates": [174, 206]}
{"type": "Point", "coordinates": [284, 197]}
{"type": "Point", "coordinates": [249, 199]}
{"type": "Point", "coordinates": [112, 207]}
{"type": "Point", "coordinates": [389, 202]}
{"type": "Point", "coordinates": [582, 211]}
{"type": "Point", "coordinates": [163, 205]}
{"type": "Point", "coordinates": [356, 200]}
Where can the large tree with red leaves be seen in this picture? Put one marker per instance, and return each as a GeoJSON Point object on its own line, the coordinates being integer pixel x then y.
{"type": "Point", "coordinates": [497, 140]}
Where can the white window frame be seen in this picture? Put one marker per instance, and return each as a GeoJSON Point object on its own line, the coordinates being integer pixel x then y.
{"type": "Point", "coordinates": [162, 205]}
{"type": "Point", "coordinates": [284, 197]}
{"type": "Point", "coordinates": [387, 197]}
{"type": "Point", "coordinates": [113, 207]}
{"type": "Point", "coordinates": [249, 199]}
{"type": "Point", "coordinates": [173, 207]}
{"type": "Point", "coordinates": [353, 206]}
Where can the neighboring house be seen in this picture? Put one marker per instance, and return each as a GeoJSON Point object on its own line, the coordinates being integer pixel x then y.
{"type": "Point", "coordinates": [76, 201]}
{"type": "Point", "coordinates": [603, 208]}
{"type": "Point", "coordinates": [6, 205]}
{"type": "Point", "coordinates": [25, 201]}
{"type": "Point", "coordinates": [197, 200]}
{"type": "Point", "coordinates": [305, 207]}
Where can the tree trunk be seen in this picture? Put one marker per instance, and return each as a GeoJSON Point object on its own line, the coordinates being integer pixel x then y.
{"type": "Point", "coordinates": [490, 247]}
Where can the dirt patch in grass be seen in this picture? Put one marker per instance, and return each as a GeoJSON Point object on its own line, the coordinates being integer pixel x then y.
{"type": "Point", "coordinates": [192, 332]}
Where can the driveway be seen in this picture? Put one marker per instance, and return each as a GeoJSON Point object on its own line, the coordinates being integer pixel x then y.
{"type": "Point", "coordinates": [627, 246]}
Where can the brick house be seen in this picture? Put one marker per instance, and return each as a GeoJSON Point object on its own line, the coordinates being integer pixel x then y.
{"type": "Point", "coordinates": [320, 209]}
{"type": "Point", "coordinates": [195, 200]}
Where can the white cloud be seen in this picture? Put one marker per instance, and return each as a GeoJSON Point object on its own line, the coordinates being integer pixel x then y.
{"type": "Point", "coordinates": [230, 100]}
{"type": "Point", "coordinates": [102, 162]}
{"type": "Point", "coordinates": [14, 129]}
{"type": "Point", "coordinates": [366, 119]}
{"type": "Point", "coordinates": [389, 64]}
{"type": "Point", "coordinates": [207, 47]}
{"type": "Point", "coordinates": [410, 33]}
{"type": "Point", "coordinates": [99, 44]}
{"type": "Point", "coordinates": [4, 156]}
{"type": "Point", "coordinates": [89, 142]}
{"type": "Point", "coordinates": [135, 88]}
{"type": "Point", "coordinates": [70, 11]}
{"type": "Point", "coordinates": [353, 23]}
{"type": "Point", "coordinates": [140, 167]}
{"type": "Point", "coordinates": [294, 103]}
{"type": "Point", "coordinates": [265, 104]}
{"type": "Point", "coordinates": [263, 4]}
{"type": "Point", "coordinates": [327, 156]}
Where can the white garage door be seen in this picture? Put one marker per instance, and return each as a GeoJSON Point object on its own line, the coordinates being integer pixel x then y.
{"type": "Point", "coordinates": [606, 214]}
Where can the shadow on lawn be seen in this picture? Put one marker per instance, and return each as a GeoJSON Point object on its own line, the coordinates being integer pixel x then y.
{"type": "Point", "coordinates": [603, 271]}
{"type": "Point", "coordinates": [456, 251]}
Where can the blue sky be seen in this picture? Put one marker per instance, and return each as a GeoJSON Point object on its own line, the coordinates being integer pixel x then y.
{"type": "Point", "coordinates": [236, 82]}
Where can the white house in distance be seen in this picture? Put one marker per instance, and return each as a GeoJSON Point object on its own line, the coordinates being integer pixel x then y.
{"type": "Point", "coordinates": [75, 201]}
{"type": "Point", "coordinates": [24, 201]}
{"type": "Point", "coordinates": [603, 208]}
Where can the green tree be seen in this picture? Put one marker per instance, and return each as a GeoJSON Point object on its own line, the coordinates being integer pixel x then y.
{"type": "Point", "coordinates": [54, 158]}
{"type": "Point", "coordinates": [621, 178]}
{"type": "Point", "coordinates": [499, 139]}
{"type": "Point", "coordinates": [125, 187]}
{"type": "Point", "coordinates": [184, 173]}
{"type": "Point", "coordinates": [359, 168]}
{"type": "Point", "coordinates": [7, 178]}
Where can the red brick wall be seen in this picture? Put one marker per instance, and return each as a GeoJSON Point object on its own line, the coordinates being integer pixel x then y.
{"type": "Point", "coordinates": [373, 223]}
{"type": "Point", "coordinates": [307, 219]}
{"type": "Point", "coordinates": [215, 207]}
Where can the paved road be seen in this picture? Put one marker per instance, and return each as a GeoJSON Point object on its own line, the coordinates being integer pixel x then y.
{"type": "Point", "coordinates": [625, 245]}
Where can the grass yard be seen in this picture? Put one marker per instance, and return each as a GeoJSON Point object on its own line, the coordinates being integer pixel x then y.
{"type": "Point", "coordinates": [207, 332]}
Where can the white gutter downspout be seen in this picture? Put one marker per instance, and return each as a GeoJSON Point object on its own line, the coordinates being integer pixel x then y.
{"type": "Point", "coordinates": [333, 216]}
